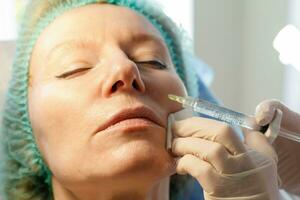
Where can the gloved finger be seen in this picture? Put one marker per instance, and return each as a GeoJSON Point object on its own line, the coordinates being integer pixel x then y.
{"type": "Point", "coordinates": [218, 185]}
{"type": "Point", "coordinates": [202, 171]}
{"type": "Point", "coordinates": [209, 129]}
{"type": "Point", "coordinates": [260, 143]}
{"type": "Point", "coordinates": [212, 152]}
{"type": "Point", "coordinates": [274, 127]}
{"type": "Point", "coordinates": [265, 112]}
{"type": "Point", "coordinates": [267, 158]}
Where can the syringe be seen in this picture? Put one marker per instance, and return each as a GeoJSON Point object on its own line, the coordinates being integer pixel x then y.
{"type": "Point", "coordinates": [229, 116]}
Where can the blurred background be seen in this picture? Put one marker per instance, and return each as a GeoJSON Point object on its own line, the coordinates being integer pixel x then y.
{"type": "Point", "coordinates": [233, 37]}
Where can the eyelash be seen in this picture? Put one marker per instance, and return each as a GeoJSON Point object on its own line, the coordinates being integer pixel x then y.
{"type": "Point", "coordinates": [158, 64]}
{"type": "Point", "coordinates": [69, 73]}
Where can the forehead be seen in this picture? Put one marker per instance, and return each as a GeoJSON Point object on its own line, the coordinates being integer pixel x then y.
{"type": "Point", "coordinates": [101, 22]}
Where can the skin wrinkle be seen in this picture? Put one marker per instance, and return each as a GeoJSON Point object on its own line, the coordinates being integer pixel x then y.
{"type": "Point", "coordinates": [82, 43]}
{"type": "Point", "coordinates": [88, 52]}
{"type": "Point", "coordinates": [73, 54]}
{"type": "Point", "coordinates": [93, 43]}
{"type": "Point", "coordinates": [65, 112]}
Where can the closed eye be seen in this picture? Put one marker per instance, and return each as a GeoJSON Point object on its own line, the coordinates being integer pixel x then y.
{"type": "Point", "coordinates": [155, 63]}
{"type": "Point", "coordinates": [69, 73]}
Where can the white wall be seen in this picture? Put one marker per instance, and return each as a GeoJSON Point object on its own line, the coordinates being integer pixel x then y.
{"type": "Point", "coordinates": [185, 8]}
{"type": "Point", "coordinates": [235, 38]}
{"type": "Point", "coordinates": [7, 20]}
{"type": "Point", "coordinates": [218, 42]}
{"type": "Point", "coordinates": [262, 71]}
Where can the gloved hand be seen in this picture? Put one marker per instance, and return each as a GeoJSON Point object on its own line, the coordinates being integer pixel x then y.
{"type": "Point", "coordinates": [288, 151]}
{"type": "Point", "coordinates": [225, 167]}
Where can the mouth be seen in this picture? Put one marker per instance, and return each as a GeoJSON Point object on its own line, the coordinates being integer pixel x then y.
{"type": "Point", "coordinates": [134, 118]}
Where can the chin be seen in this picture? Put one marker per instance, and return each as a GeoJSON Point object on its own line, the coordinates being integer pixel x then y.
{"type": "Point", "coordinates": [133, 163]}
{"type": "Point", "coordinates": [138, 160]}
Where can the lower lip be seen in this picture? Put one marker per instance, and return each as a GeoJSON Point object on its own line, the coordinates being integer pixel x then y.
{"type": "Point", "coordinates": [134, 124]}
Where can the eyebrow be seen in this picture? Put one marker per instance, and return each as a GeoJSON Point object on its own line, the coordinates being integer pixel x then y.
{"type": "Point", "coordinates": [144, 37]}
{"type": "Point", "coordinates": [83, 43]}
{"type": "Point", "coordinates": [71, 44]}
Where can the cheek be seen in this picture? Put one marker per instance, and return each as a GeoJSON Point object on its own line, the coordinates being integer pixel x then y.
{"type": "Point", "coordinates": [177, 86]}
{"type": "Point", "coordinates": [48, 106]}
{"type": "Point", "coordinates": [55, 118]}
{"type": "Point", "coordinates": [160, 85]}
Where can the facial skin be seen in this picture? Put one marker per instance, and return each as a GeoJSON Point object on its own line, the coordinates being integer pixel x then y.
{"type": "Point", "coordinates": [107, 44]}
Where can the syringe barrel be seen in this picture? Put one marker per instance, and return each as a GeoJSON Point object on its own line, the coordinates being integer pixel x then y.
{"type": "Point", "coordinates": [222, 114]}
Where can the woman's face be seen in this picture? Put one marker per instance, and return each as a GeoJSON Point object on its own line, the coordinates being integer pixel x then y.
{"type": "Point", "coordinates": [98, 97]}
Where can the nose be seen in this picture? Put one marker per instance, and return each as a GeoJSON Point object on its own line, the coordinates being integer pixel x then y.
{"type": "Point", "coordinates": [124, 76]}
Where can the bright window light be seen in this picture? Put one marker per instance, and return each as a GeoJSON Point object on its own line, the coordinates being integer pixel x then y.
{"type": "Point", "coordinates": [287, 43]}
{"type": "Point", "coordinates": [8, 28]}
{"type": "Point", "coordinates": [181, 12]}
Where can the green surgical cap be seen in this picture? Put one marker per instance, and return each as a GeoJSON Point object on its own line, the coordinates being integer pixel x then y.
{"type": "Point", "coordinates": [24, 174]}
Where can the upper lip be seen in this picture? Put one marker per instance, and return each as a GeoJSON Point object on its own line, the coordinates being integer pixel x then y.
{"type": "Point", "coordinates": [129, 113]}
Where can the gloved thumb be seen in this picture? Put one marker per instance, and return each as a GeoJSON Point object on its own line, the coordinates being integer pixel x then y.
{"type": "Point", "coordinates": [265, 111]}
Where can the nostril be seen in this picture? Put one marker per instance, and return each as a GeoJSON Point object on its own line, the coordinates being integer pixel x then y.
{"type": "Point", "coordinates": [135, 85]}
{"type": "Point", "coordinates": [121, 85]}
{"type": "Point", "coordinates": [117, 85]}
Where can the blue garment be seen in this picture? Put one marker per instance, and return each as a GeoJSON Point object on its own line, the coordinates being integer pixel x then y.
{"type": "Point", "coordinates": [197, 193]}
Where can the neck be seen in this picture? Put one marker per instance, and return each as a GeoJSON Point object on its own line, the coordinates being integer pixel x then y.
{"type": "Point", "coordinates": [159, 191]}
